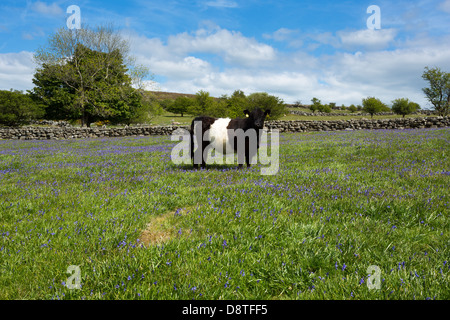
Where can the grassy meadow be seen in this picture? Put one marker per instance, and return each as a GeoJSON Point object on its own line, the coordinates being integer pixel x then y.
{"type": "Point", "coordinates": [140, 227]}
{"type": "Point", "coordinates": [168, 118]}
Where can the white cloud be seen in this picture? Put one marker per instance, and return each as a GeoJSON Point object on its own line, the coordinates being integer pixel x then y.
{"type": "Point", "coordinates": [232, 46]}
{"type": "Point", "coordinates": [326, 38]}
{"type": "Point", "coordinates": [366, 38]}
{"type": "Point", "coordinates": [343, 78]}
{"type": "Point", "coordinates": [16, 70]}
{"type": "Point", "coordinates": [348, 40]}
{"type": "Point", "coordinates": [222, 4]}
{"type": "Point", "coordinates": [183, 69]}
{"type": "Point", "coordinates": [187, 63]}
{"type": "Point", "coordinates": [282, 34]}
{"type": "Point", "coordinates": [291, 36]}
{"type": "Point", "coordinates": [47, 9]}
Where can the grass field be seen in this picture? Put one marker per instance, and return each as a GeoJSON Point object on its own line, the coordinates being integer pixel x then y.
{"type": "Point", "coordinates": [140, 227]}
{"type": "Point", "coordinates": [168, 118]}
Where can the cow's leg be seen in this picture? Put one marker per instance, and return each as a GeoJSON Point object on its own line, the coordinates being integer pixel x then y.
{"type": "Point", "coordinates": [195, 165]}
{"type": "Point", "coordinates": [247, 152]}
{"type": "Point", "coordinates": [247, 160]}
{"type": "Point", "coordinates": [203, 154]}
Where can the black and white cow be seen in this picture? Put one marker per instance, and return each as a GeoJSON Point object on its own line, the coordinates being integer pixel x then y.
{"type": "Point", "coordinates": [218, 133]}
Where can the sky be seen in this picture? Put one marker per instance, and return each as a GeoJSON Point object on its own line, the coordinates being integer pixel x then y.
{"type": "Point", "coordinates": [336, 51]}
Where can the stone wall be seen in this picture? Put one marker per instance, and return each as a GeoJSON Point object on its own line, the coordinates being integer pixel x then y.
{"type": "Point", "coordinates": [43, 133]}
{"type": "Point", "coordinates": [358, 124]}
{"type": "Point", "coordinates": [339, 114]}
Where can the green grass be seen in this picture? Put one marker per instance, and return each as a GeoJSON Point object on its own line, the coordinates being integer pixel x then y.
{"type": "Point", "coordinates": [140, 227]}
{"type": "Point", "coordinates": [167, 118]}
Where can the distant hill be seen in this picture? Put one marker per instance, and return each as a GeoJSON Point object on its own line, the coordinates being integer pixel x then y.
{"type": "Point", "coordinates": [161, 95]}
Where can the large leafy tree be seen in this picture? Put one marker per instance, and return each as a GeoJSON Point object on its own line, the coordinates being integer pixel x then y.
{"type": "Point", "coordinates": [203, 103]}
{"type": "Point", "coordinates": [57, 98]}
{"type": "Point", "coordinates": [181, 105]}
{"type": "Point", "coordinates": [83, 74]}
{"type": "Point", "coordinates": [404, 107]}
{"type": "Point", "coordinates": [265, 101]}
{"type": "Point", "coordinates": [438, 93]}
{"type": "Point", "coordinates": [236, 104]}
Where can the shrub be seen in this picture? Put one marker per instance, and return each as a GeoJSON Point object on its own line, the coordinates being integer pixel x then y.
{"type": "Point", "coordinates": [297, 104]}
{"type": "Point", "coordinates": [324, 108]}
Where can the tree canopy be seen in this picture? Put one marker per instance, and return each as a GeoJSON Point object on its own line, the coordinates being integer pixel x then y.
{"type": "Point", "coordinates": [373, 105]}
{"type": "Point", "coordinates": [17, 108]}
{"type": "Point", "coordinates": [83, 74]}
{"type": "Point", "coordinates": [404, 107]}
{"type": "Point", "coordinates": [438, 92]}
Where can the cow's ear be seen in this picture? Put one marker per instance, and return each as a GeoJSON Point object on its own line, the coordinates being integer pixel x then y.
{"type": "Point", "coordinates": [246, 112]}
{"type": "Point", "coordinates": [267, 112]}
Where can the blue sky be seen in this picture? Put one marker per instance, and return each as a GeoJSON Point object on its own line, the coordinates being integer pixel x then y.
{"type": "Point", "coordinates": [293, 49]}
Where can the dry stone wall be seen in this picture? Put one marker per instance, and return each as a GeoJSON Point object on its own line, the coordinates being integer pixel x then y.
{"type": "Point", "coordinates": [346, 114]}
{"type": "Point", "coordinates": [359, 124]}
{"type": "Point", "coordinates": [43, 133]}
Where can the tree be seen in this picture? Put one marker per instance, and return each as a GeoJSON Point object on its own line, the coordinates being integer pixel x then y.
{"type": "Point", "coordinates": [439, 91]}
{"type": "Point", "coordinates": [318, 106]}
{"type": "Point", "coordinates": [315, 104]}
{"type": "Point", "coordinates": [166, 103]}
{"type": "Point", "coordinates": [313, 108]}
{"type": "Point", "coordinates": [51, 92]}
{"type": "Point", "coordinates": [202, 102]}
{"type": "Point", "coordinates": [236, 104]}
{"type": "Point", "coordinates": [265, 101]}
{"type": "Point", "coordinates": [180, 105]}
{"type": "Point", "coordinates": [372, 105]}
{"type": "Point", "coordinates": [219, 108]}
{"type": "Point", "coordinates": [404, 107]}
{"type": "Point", "coordinates": [352, 108]}
{"type": "Point", "coordinates": [17, 108]}
{"type": "Point", "coordinates": [87, 73]}
{"type": "Point", "coordinates": [148, 111]}
{"type": "Point", "coordinates": [297, 104]}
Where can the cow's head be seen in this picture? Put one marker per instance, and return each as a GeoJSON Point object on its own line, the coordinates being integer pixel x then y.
{"type": "Point", "coordinates": [257, 117]}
